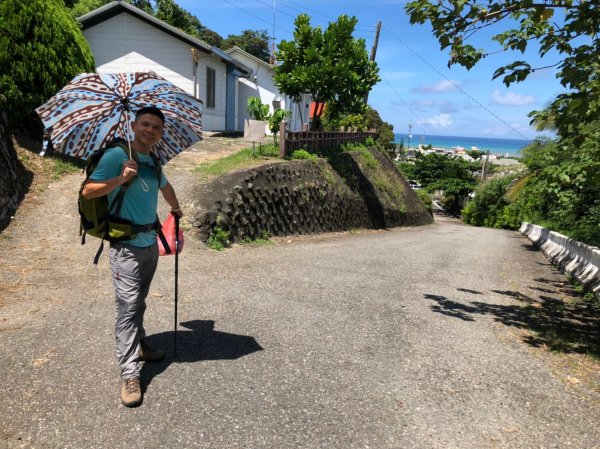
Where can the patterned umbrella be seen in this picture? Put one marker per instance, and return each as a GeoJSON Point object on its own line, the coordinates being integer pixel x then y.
{"type": "Point", "coordinates": [93, 109]}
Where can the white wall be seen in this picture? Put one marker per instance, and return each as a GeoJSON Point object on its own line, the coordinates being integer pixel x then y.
{"type": "Point", "coordinates": [125, 43]}
{"type": "Point", "coordinates": [260, 84]}
{"type": "Point", "coordinates": [213, 119]}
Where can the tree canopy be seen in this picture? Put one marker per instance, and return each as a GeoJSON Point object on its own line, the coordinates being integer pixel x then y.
{"type": "Point", "coordinates": [254, 42]}
{"type": "Point", "coordinates": [454, 175]}
{"type": "Point", "coordinates": [561, 189]}
{"type": "Point", "coordinates": [41, 50]}
{"type": "Point", "coordinates": [332, 66]}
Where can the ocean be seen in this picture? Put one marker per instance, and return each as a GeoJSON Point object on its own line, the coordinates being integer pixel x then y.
{"type": "Point", "coordinates": [499, 147]}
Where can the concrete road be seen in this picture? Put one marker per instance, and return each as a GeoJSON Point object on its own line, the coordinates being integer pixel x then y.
{"type": "Point", "coordinates": [405, 338]}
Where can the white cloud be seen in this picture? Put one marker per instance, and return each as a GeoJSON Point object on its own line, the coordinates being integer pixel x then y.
{"type": "Point", "coordinates": [438, 121]}
{"type": "Point", "coordinates": [439, 87]}
{"type": "Point", "coordinates": [511, 99]}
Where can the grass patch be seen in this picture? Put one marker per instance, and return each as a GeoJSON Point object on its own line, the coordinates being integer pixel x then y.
{"type": "Point", "coordinates": [61, 167]}
{"type": "Point", "coordinates": [219, 239]}
{"type": "Point", "coordinates": [262, 240]}
{"type": "Point", "coordinates": [235, 161]}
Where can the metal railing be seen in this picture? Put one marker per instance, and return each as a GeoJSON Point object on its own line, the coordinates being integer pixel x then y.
{"type": "Point", "coordinates": [312, 141]}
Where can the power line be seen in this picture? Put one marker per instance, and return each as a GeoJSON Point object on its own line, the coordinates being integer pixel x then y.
{"type": "Point", "coordinates": [257, 17]}
{"type": "Point", "coordinates": [460, 89]}
{"type": "Point", "coordinates": [325, 17]}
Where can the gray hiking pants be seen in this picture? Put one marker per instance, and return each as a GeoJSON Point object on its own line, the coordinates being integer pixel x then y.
{"type": "Point", "coordinates": [132, 269]}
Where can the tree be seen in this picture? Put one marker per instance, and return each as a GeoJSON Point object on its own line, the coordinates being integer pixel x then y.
{"type": "Point", "coordinates": [82, 7]}
{"type": "Point", "coordinates": [489, 206]}
{"type": "Point", "coordinates": [453, 175]}
{"type": "Point", "coordinates": [385, 131]}
{"type": "Point", "coordinates": [210, 37]}
{"type": "Point", "coordinates": [562, 187]}
{"type": "Point", "coordinates": [332, 66]}
{"type": "Point", "coordinates": [170, 12]}
{"type": "Point", "coordinates": [41, 50]}
{"type": "Point", "coordinates": [254, 42]}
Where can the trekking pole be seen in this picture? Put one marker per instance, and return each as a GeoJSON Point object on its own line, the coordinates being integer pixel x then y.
{"type": "Point", "coordinates": [176, 276]}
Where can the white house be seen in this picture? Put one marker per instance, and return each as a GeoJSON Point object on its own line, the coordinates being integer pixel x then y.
{"type": "Point", "coordinates": [260, 84]}
{"type": "Point", "coordinates": [124, 38]}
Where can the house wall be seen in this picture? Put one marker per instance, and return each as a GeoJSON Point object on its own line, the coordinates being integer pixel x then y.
{"type": "Point", "coordinates": [260, 84]}
{"type": "Point", "coordinates": [125, 43]}
{"type": "Point", "coordinates": [213, 119]}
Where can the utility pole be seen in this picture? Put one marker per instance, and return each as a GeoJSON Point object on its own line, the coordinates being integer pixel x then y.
{"type": "Point", "coordinates": [484, 166]}
{"type": "Point", "coordinates": [272, 61]}
{"type": "Point", "coordinates": [374, 51]}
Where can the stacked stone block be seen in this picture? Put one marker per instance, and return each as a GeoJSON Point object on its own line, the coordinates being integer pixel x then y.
{"type": "Point", "coordinates": [280, 199]}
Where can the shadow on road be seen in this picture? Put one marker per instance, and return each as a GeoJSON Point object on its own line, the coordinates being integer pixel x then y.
{"type": "Point", "coordinates": [201, 342]}
{"type": "Point", "coordinates": [568, 326]}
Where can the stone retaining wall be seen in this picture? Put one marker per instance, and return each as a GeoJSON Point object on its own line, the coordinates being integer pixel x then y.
{"type": "Point", "coordinates": [293, 197]}
{"type": "Point", "coordinates": [10, 170]}
{"type": "Point", "coordinates": [570, 256]}
{"type": "Point", "coordinates": [278, 198]}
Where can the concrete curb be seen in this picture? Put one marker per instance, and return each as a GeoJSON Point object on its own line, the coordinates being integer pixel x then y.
{"type": "Point", "coordinates": [570, 256]}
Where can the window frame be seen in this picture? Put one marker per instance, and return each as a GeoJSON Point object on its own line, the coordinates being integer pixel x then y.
{"type": "Point", "coordinates": [211, 88]}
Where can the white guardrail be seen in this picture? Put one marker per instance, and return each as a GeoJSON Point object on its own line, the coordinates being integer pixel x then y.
{"type": "Point", "coordinates": [570, 256]}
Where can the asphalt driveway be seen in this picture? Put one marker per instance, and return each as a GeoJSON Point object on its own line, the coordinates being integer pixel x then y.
{"type": "Point", "coordinates": [408, 338]}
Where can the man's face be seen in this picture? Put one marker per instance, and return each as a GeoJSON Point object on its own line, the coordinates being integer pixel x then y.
{"type": "Point", "coordinates": [148, 129]}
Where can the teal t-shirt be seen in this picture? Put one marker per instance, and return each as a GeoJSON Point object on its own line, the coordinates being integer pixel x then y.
{"type": "Point", "coordinates": [141, 201]}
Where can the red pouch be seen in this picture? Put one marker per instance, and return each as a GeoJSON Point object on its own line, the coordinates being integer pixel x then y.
{"type": "Point", "coordinates": [168, 229]}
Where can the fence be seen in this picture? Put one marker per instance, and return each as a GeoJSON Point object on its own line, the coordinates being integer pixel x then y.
{"type": "Point", "coordinates": [572, 257]}
{"type": "Point", "coordinates": [312, 141]}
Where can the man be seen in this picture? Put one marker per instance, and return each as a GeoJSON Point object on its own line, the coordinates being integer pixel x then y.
{"type": "Point", "coordinates": [133, 262]}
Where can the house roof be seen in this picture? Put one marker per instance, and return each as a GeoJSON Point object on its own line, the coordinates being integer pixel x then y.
{"type": "Point", "coordinates": [115, 8]}
{"type": "Point", "coordinates": [237, 49]}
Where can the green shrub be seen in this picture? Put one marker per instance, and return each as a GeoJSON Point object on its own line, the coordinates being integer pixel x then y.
{"type": "Point", "coordinates": [257, 110]}
{"type": "Point", "coordinates": [262, 240]}
{"type": "Point", "coordinates": [269, 150]}
{"type": "Point", "coordinates": [426, 198]}
{"type": "Point", "coordinates": [41, 49]}
{"type": "Point", "coordinates": [303, 155]}
{"type": "Point", "coordinates": [488, 206]}
{"type": "Point", "coordinates": [219, 239]}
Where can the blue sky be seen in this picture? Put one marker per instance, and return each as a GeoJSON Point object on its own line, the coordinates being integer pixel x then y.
{"type": "Point", "coordinates": [417, 86]}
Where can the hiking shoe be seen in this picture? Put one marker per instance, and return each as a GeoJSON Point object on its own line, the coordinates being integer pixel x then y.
{"type": "Point", "coordinates": [131, 392]}
{"type": "Point", "coordinates": [148, 354]}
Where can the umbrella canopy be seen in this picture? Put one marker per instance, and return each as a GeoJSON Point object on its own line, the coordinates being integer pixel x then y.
{"type": "Point", "coordinates": [94, 109]}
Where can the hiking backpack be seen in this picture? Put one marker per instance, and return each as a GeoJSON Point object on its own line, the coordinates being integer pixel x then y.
{"type": "Point", "coordinates": [100, 218]}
